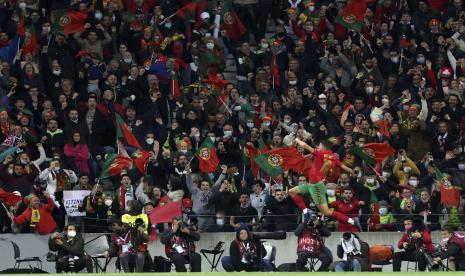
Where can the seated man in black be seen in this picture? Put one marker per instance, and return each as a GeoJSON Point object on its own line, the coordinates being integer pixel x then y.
{"type": "Point", "coordinates": [454, 251]}
{"type": "Point", "coordinates": [179, 245]}
{"type": "Point", "coordinates": [70, 248]}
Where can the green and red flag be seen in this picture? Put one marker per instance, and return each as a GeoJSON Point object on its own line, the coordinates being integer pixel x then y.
{"type": "Point", "coordinates": [275, 72]}
{"type": "Point", "coordinates": [353, 15]}
{"type": "Point", "coordinates": [230, 21]}
{"type": "Point", "coordinates": [140, 159]}
{"type": "Point", "coordinates": [114, 164]}
{"type": "Point", "coordinates": [208, 160]}
{"type": "Point", "coordinates": [123, 132]}
{"type": "Point", "coordinates": [68, 21]}
{"type": "Point", "coordinates": [251, 152]}
{"type": "Point", "coordinates": [274, 162]}
{"type": "Point", "coordinates": [187, 12]}
{"type": "Point", "coordinates": [373, 153]}
{"type": "Point", "coordinates": [31, 42]}
{"type": "Point", "coordinates": [174, 87]}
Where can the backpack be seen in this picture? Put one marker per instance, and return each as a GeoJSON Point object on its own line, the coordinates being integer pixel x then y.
{"type": "Point", "coordinates": [161, 264]}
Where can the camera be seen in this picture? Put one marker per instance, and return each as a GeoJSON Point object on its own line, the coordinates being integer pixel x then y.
{"type": "Point", "coordinates": [429, 257]}
{"type": "Point", "coordinates": [139, 223]}
{"type": "Point", "coordinates": [251, 257]}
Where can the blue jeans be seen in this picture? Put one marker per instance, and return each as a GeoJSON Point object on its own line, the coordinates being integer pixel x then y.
{"type": "Point", "coordinates": [227, 264]}
{"type": "Point", "coordinates": [345, 266]}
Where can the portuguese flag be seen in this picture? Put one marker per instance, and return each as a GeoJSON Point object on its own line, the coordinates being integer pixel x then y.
{"type": "Point", "coordinates": [352, 15]}
{"type": "Point", "coordinates": [188, 11]}
{"type": "Point", "coordinates": [231, 22]}
{"type": "Point", "coordinates": [123, 131]}
{"type": "Point", "coordinates": [114, 164]}
{"type": "Point", "coordinates": [208, 160]}
{"type": "Point", "coordinates": [274, 162]}
{"type": "Point", "coordinates": [140, 159]}
{"type": "Point", "coordinates": [373, 152]}
{"type": "Point", "coordinates": [68, 21]}
{"type": "Point", "coordinates": [31, 41]}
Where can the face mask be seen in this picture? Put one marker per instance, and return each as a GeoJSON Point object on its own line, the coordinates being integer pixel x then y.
{"type": "Point", "coordinates": [250, 125]}
{"type": "Point", "coordinates": [370, 181]}
{"type": "Point", "coordinates": [267, 124]}
{"type": "Point", "coordinates": [24, 162]}
{"type": "Point", "coordinates": [311, 8]}
{"type": "Point", "coordinates": [227, 133]}
{"type": "Point", "coordinates": [71, 234]}
{"type": "Point", "coordinates": [210, 46]}
{"type": "Point", "coordinates": [56, 72]}
{"type": "Point", "coordinates": [183, 151]}
{"type": "Point", "coordinates": [197, 135]}
{"type": "Point", "coordinates": [394, 59]}
{"type": "Point", "coordinates": [287, 121]}
{"type": "Point", "coordinates": [420, 60]}
{"type": "Point", "coordinates": [149, 141]}
{"type": "Point", "coordinates": [128, 60]}
{"type": "Point", "coordinates": [10, 171]}
{"type": "Point", "coordinates": [56, 169]}
{"type": "Point", "coordinates": [462, 167]}
{"type": "Point", "coordinates": [265, 45]}
{"type": "Point", "coordinates": [413, 182]}
{"type": "Point", "coordinates": [168, 25]}
{"type": "Point", "coordinates": [46, 29]}
{"type": "Point", "coordinates": [386, 174]}
{"type": "Point", "coordinates": [331, 192]}
{"type": "Point", "coordinates": [445, 240]}
{"type": "Point", "coordinates": [369, 89]}
{"type": "Point", "coordinates": [408, 227]}
{"type": "Point", "coordinates": [383, 211]}
{"type": "Point", "coordinates": [98, 15]}
{"type": "Point", "coordinates": [385, 101]}
{"type": "Point", "coordinates": [361, 144]}
{"type": "Point", "coordinates": [293, 82]}
{"type": "Point", "coordinates": [220, 222]}
{"type": "Point", "coordinates": [22, 5]}
{"type": "Point", "coordinates": [407, 169]}
{"type": "Point", "coordinates": [213, 139]}
{"type": "Point", "coordinates": [108, 202]}
{"type": "Point", "coordinates": [323, 106]}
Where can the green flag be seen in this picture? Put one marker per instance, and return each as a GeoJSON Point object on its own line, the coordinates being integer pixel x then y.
{"type": "Point", "coordinates": [270, 163]}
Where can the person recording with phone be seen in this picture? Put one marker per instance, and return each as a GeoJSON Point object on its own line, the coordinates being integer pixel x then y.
{"type": "Point", "coordinates": [415, 241]}
{"type": "Point", "coordinates": [70, 250]}
{"type": "Point", "coordinates": [453, 250]}
{"type": "Point", "coordinates": [179, 245]}
{"type": "Point", "coordinates": [129, 244]}
{"type": "Point", "coordinates": [310, 243]}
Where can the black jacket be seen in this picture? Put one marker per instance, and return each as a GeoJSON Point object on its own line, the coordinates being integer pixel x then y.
{"type": "Point", "coordinates": [235, 254]}
{"type": "Point", "coordinates": [74, 247]}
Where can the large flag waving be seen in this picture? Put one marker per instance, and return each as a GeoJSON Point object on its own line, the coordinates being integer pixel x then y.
{"type": "Point", "coordinates": [373, 152]}
{"type": "Point", "coordinates": [114, 164]}
{"type": "Point", "coordinates": [353, 15]}
{"type": "Point", "coordinates": [231, 22]}
{"type": "Point", "coordinates": [123, 131]}
{"type": "Point", "coordinates": [208, 160]}
{"type": "Point", "coordinates": [274, 162]}
{"type": "Point", "coordinates": [188, 11]}
{"type": "Point", "coordinates": [68, 21]}
{"type": "Point", "coordinates": [166, 212]}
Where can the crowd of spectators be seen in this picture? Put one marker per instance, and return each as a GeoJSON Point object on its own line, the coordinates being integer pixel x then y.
{"type": "Point", "coordinates": [294, 73]}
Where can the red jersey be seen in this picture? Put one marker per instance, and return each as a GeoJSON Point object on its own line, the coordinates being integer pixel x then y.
{"type": "Point", "coordinates": [46, 224]}
{"type": "Point", "coordinates": [350, 210]}
{"type": "Point", "coordinates": [319, 159]}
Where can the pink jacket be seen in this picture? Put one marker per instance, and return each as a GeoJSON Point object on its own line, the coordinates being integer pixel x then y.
{"type": "Point", "coordinates": [80, 154]}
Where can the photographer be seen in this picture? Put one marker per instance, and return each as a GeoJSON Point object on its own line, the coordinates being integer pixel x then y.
{"type": "Point", "coordinates": [353, 252]}
{"type": "Point", "coordinates": [454, 250]}
{"type": "Point", "coordinates": [70, 248]}
{"type": "Point", "coordinates": [415, 241]}
{"type": "Point", "coordinates": [246, 254]}
{"type": "Point", "coordinates": [129, 244]}
{"type": "Point", "coordinates": [310, 243]}
{"type": "Point", "coordinates": [179, 245]}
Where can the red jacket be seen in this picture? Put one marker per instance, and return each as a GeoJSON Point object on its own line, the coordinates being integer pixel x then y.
{"type": "Point", "coordinates": [46, 225]}
{"type": "Point", "coordinates": [350, 210]}
{"type": "Point", "coordinates": [80, 154]}
{"type": "Point", "coordinates": [425, 239]}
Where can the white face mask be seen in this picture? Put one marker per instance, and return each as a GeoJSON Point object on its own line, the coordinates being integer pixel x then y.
{"type": "Point", "coordinates": [227, 133]}
{"type": "Point", "coordinates": [24, 162]}
{"type": "Point", "coordinates": [370, 181]}
{"type": "Point", "coordinates": [250, 125]}
{"type": "Point", "coordinates": [128, 60]}
{"type": "Point", "coordinates": [10, 171]}
{"type": "Point", "coordinates": [220, 222]}
{"type": "Point", "coordinates": [311, 8]}
{"type": "Point", "coordinates": [98, 15]}
{"type": "Point", "coordinates": [56, 72]}
{"type": "Point", "coordinates": [71, 234]}
{"type": "Point", "coordinates": [213, 138]}
{"type": "Point", "coordinates": [385, 101]}
{"type": "Point", "coordinates": [420, 60]}
{"type": "Point", "coordinates": [56, 169]}
{"type": "Point", "coordinates": [287, 121]}
{"type": "Point", "coordinates": [293, 82]}
{"type": "Point", "coordinates": [108, 202]}
{"type": "Point", "coordinates": [197, 135]}
{"type": "Point", "coordinates": [407, 169]}
{"type": "Point", "coordinates": [386, 174]}
{"type": "Point", "coordinates": [394, 59]}
{"type": "Point", "coordinates": [149, 141]}
{"type": "Point", "coordinates": [331, 192]}
{"type": "Point", "coordinates": [413, 182]}
{"type": "Point", "coordinates": [183, 151]}
{"type": "Point", "coordinates": [210, 46]}
{"type": "Point", "coordinates": [267, 124]}
{"type": "Point", "coordinates": [369, 89]}
{"type": "Point", "coordinates": [462, 167]}
{"type": "Point", "coordinates": [323, 106]}
{"type": "Point", "coordinates": [383, 211]}
{"type": "Point", "coordinates": [445, 240]}
{"type": "Point", "coordinates": [265, 45]}
{"type": "Point", "coordinates": [22, 5]}
{"type": "Point", "coordinates": [46, 29]}
{"type": "Point", "coordinates": [168, 25]}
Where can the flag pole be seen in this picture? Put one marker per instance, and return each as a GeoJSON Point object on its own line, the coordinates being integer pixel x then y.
{"type": "Point", "coordinates": [227, 108]}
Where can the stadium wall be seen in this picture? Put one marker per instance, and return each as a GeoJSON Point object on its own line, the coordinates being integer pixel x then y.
{"type": "Point", "coordinates": [32, 245]}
